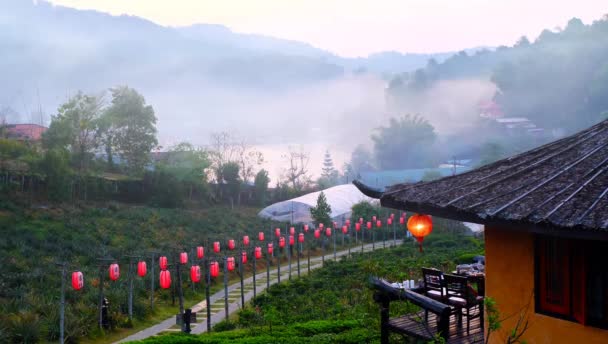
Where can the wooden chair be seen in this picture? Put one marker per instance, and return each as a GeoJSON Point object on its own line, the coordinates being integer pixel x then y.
{"type": "Point", "coordinates": [462, 297]}
{"type": "Point", "coordinates": [433, 284]}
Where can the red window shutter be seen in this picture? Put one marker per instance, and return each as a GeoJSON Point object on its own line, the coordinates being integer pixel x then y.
{"type": "Point", "coordinates": [579, 285]}
{"type": "Point", "coordinates": [554, 276]}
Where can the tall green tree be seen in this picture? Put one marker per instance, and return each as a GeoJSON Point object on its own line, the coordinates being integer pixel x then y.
{"type": "Point", "coordinates": [76, 128]}
{"type": "Point", "coordinates": [130, 129]}
{"type": "Point", "coordinates": [232, 180]}
{"type": "Point", "coordinates": [363, 210]}
{"type": "Point", "coordinates": [405, 143]}
{"type": "Point", "coordinates": [187, 164]}
{"type": "Point", "coordinates": [261, 186]}
{"type": "Point", "coordinates": [321, 213]}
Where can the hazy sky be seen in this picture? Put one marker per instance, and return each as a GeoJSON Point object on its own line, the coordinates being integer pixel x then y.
{"type": "Point", "coordinates": [360, 27]}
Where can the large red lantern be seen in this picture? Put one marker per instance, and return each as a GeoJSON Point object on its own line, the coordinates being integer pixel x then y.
{"type": "Point", "coordinates": [77, 280]}
{"type": "Point", "coordinates": [301, 237]}
{"type": "Point", "coordinates": [142, 268]}
{"type": "Point", "coordinates": [317, 233]}
{"type": "Point", "coordinates": [244, 257]}
{"type": "Point", "coordinates": [270, 248]}
{"type": "Point", "coordinates": [162, 262]}
{"type": "Point", "coordinates": [292, 240]}
{"type": "Point", "coordinates": [200, 252]}
{"type": "Point", "coordinates": [369, 225]}
{"type": "Point", "coordinates": [282, 242]}
{"type": "Point", "coordinates": [305, 228]}
{"type": "Point", "coordinates": [165, 279]}
{"type": "Point", "coordinates": [378, 224]}
{"type": "Point", "coordinates": [195, 273]}
{"type": "Point", "coordinates": [230, 263]}
{"type": "Point", "coordinates": [216, 246]}
{"type": "Point", "coordinates": [231, 244]}
{"type": "Point", "coordinates": [357, 226]}
{"type": "Point", "coordinates": [258, 253]}
{"type": "Point", "coordinates": [277, 232]}
{"type": "Point", "coordinates": [292, 231]}
{"type": "Point", "coordinates": [183, 258]}
{"type": "Point", "coordinates": [420, 226]}
{"type": "Point", "coordinates": [344, 229]}
{"type": "Point", "coordinates": [328, 232]}
{"type": "Point", "coordinates": [114, 271]}
{"type": "Point", "coordinates": [214, 269]}
{"type": "Point", "coordinates": [261, 236]}
{"type": "Point", "coordinates": [246, 240]}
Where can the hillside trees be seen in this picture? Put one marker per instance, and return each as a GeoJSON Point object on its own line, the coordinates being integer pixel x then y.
{"type": "Point", "coordinates": [297, 172]}
{"type": "Point", "coordinates": [261, 186]}
{"type": "Point", "coordinates": [130, 129]}
{"type": "Point", "coordinates": [405, 143]}
{"type": "Point", "coordinates": [329, 175]}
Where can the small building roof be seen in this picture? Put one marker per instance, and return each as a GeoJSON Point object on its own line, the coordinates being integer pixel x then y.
{"type": "Point", "coordinates": [31, 132]}
{"type": "Point", "coordinates": [561, 185]}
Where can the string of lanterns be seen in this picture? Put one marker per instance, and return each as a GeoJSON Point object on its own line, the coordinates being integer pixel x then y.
{"type": "Point", "coordinates": [418, 225]}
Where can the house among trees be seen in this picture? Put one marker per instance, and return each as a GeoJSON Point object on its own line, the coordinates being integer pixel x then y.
{"type": "Point", "coordinates": [545, 213]}
{"type": "Point", "coordinates": [25, 132]}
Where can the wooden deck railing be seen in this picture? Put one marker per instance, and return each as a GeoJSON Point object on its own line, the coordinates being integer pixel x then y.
{"type": "Point", "coordinates": [385, 294]}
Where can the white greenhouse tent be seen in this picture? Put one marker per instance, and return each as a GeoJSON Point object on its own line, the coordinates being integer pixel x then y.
{"type": "Point", "coordinates": [341, 198]}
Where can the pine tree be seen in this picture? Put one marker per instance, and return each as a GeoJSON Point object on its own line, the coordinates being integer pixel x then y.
{"type": "Point", "coordinates": [321, 213]}
{"type": "Point", "coordinates": [328, 171]}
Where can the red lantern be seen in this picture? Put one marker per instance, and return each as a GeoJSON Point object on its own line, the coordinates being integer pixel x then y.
{"type": "Point", "coordinates": [77, 280]}
{"type": "Point", "coordinates": [392, 215]}
{"type": "Point", "coordinates": [261, 236]}
{"type": "Point", "coordinates": [374, 218]}
{"type": "Point", "coordinates": [420, 226]}
{"type": "Point", "coordinates": [114, 271]}
{"type": "Point", "coordinates": [378, 224]}
{"type": "Point", "coordinates": [195, 273]}
{"type": "Point", "coordinates": [305, 228]}
{"type": "Point", "coordinates": [258, 253]}
{"type": "Point", "coordinates": [165, 279]}
{"type": "Point", "coordinates": [162, 262]}
{"type": "Point", "coordinates": [402, 220]}
{"type": "Point", "coordinates": [292, 240]}
{"type": "Point", "coordinates": [200, 252]}
{"type": "Point", "coordinates": [335, 224]}
{"type": "Point", "coordinates": [230, 263]}
{"type": "Point", "coordinates": [246, 240]}
{"type": "Point", "coordinates": [183, 258]}
{"type": "Point", "coordinates": [344, 229]}
{"type": "Point", "coordinates": [244, 257]}
{"type": "Point", "coordinates": [361, 220]}
{"type": "Point", "coordinates": [347, 222]}
{"type": "Point", "coordinates": [317, 233]}
{"type": "Point", "coordinates": [328, 232]}
{"type": "Point", "coordinates": [321, 225]}
{"type": "Point", "coordinates": [369, 225]}
{"type": "Point", "coordinates": [231, 245]}
{"type": "Point", "coordinates": [216, 246]}
{"type": "Point", "coordinates": [277, 232]}
{"type": "Point", "coordinates": [357, 226]}
{"type": "Point", "coordinates": [389, 221]}
{"type": "Point", "coordinates": [142, 268]}
{"type": "Point", "coordinates": [270, 248]}
{"type": "Point", "coordinates": [301, 237]}
{"type": "Point", "coordinates": [214, 269]}
{"type": "Point", "coordinates": [292, 231]}
{"type": "Point", "coordinates": [282, 242]}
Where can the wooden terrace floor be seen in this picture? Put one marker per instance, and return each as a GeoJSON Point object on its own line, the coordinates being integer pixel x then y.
{"type": "Point", "coordinates": [415, 324]}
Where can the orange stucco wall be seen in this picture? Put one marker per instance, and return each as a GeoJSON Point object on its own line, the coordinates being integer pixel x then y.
{"type": "Point", "coordinates": [510, 281]}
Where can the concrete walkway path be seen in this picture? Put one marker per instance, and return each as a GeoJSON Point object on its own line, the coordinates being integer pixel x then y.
{"type": "Point", "coordinates": [234, 293]}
